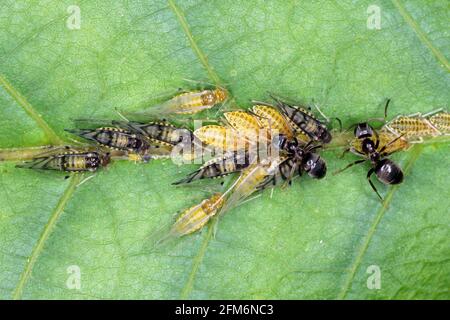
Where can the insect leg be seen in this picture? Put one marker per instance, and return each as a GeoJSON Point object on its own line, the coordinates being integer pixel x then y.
{"type": "Point", "coordinates": [369, 174]}
{"type": "Point", "coordinates": [346, 150]}
{"type": "Point", "coordinates": [349, 165]}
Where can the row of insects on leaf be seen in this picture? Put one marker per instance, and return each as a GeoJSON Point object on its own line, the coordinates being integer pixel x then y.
{"type": "Point", "coordinates": [268, 145]}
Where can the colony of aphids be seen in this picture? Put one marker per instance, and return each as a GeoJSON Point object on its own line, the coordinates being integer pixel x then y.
{"type": "Point", "coordinates": [265, 146]}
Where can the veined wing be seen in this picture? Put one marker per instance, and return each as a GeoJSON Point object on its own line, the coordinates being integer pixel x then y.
{"type": "Point", "coordinates": [249, 182]}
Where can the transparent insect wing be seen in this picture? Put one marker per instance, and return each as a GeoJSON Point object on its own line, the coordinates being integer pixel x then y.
{"type": "Point", "coordinates": [271, 119]}
{"type": "Point", "coordinates": [250, 181]}
{"type": "Point", "coordinates": [39, 163]}
{"type": "Point", "coordinates": [387, 142]}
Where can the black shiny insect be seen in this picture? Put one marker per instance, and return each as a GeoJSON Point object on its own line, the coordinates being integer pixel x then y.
{"type": "Point", "coordinates": [69, 161]}
{"type": "Point", "coordinates": [387, 171]}
{"type": "Point", "coordinates": [303, 156]}
{"type": "Point", "coordinates": [116, 139]}
{"type": "Point", "coordinates": [305, 121]}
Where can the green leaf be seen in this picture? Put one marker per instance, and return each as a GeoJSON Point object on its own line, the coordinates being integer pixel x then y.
{"type": "Point", "coordinates": [317, 239]}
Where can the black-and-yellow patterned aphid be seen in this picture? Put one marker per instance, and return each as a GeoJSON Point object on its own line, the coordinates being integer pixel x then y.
{"type": "Point", "coordinates": [161, 132]}
{"type": "Point", "coordinates": [114, 138]}
{"type": "Point", "coordinates": [418, 126]}
{"type": "Point", "coordinates": [219, 167]}
{"type": "Point", "coordinates": [69, 161]}
{"type": "Point", "coordinates": [305, 121]}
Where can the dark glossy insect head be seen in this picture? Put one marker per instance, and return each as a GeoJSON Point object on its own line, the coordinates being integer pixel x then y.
{"type": "Point", "coordinates": [92, 160]}
{"type": "Point", "coordinates": [389, 172]}
{"type": "Point", "coordinates": [324, 134]}
{"type": "Point", "coordinates": [368, 146]}
{"type": "Point", "coordinates": [105, 159]}
{"type": "Point", "coordinates": [363, 130]}
{"type": "Point", "coordinates": [314, 165]}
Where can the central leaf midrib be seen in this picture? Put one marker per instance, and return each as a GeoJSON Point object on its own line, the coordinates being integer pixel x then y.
{"type": "Point", "coordinates": [356, 262]}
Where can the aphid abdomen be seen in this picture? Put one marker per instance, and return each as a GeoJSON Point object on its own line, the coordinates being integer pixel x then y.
{"type": "Point", "coordinates": [219, 167]}
{"type": "Point", "coordinates": [56, 163]}
{"type": "Point", "coordinates": [221, 138]}
{"type": "Point", "coordinates": [271, 119]}
{"type": "Point", "coordinates": [412, 127]}
{"type": "Point", "coordinates": [197, 216]}
{"type": "Point", "coordinates": [188, 103]}
{"type": "Point", "coordinates": [243, 122]}
{"type": "Point", "coordinates": [441, 121]}
{"type": "Point", "coordinates": [74, 162]}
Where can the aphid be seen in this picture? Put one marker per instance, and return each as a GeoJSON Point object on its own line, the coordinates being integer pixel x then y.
{"type": "Point", "coordinates": [250, 180]}
{"type": "Point", "coordinates": [370, 147]}
{"type": "Point", "coordinates": [69, 161]}
{"type": "Point", "coordinates": [305, 121]}
{"type": "Point", "coordinates": [417, 126]}
{"type": "Point", "coordinates": [194, 218]}
{"type": "Point", "coordinates": [270, 118]}
{"type": "Point", "coordinates": [189, 102]}
{"type": "Point", "coordinates": [413, 128]}
{"type": "Point", "coordinates": [441, 121]}
{"type": "Point", "coordinates": [158, 132]}
{"type": "Point", "coordinates": [219, 167]}
{"type": "Point", "coordinates": [115, 138]}
{"type": "Point", "coordinates": [222, 138]}
{"type": "Point", "coordinates": [245, 123]}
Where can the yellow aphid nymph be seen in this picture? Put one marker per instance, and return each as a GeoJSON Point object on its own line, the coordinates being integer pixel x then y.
{"type": "Point", "coordinates": [196, 216]}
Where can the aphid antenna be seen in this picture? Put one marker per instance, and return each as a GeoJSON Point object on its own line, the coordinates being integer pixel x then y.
{"type": "Point", "coordinates": [225, 105]}
{"type": "Point", "coordinates": [250, 199]}
{"type": "Point", "coordinates": [85, 180]}
{"type": "Point", "coordinates": [262, 103]}
{"type": "Point", "coordinates": [316, 106]}
{"type": "Point", "coordinates": [120, 114]}
{"type": "Point", "coordinates": [433, 112]}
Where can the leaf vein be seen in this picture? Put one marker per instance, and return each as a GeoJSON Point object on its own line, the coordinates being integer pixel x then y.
{"type": "Point", "coordinates": [24, 277]}
{"type": "Point", "coordinates": [421, 35]}
{"type": "Point", "coordinates": [355, 264]}
{"type": "Point", "coordinates": [22, 101]}
{"type": "Point", "coordinates": [202, 57]}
